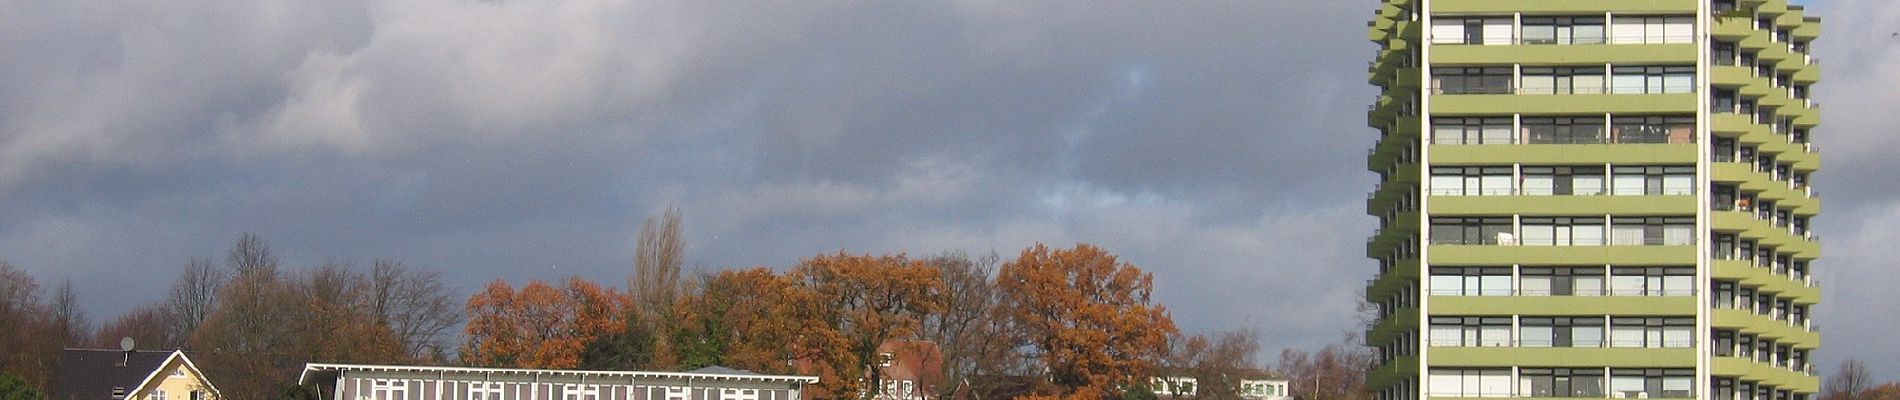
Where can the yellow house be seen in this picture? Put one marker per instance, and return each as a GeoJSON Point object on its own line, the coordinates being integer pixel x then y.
{"type": "Point", "coordinates": [86, 374]}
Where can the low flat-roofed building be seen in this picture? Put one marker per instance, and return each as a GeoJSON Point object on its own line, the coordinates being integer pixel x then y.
{"type": "Point", "coordinates": [400, 382]}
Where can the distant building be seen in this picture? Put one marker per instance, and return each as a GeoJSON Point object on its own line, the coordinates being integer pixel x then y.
{"type": "Point", "coordinates": [397, 382]}
{"type": "Point", "coordinates": [86, 374]}
{"type": "Point", "coordinates": [910, 370]}
{"type": "Point", "coordinates": [1258, 385]}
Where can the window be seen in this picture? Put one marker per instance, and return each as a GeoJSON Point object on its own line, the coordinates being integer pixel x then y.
{"type": "Point", "coordinates": [1652, 80]}
{"type": "Point", "coordinates": [1584, 181]}
{"type": "Point", "coordinates": [1471, 80]}
{"type": "Point", "coordinates": [199, 395]}
{"type": "Point", "coordinates": [484, 391]}
{"type": "Point", "coordinates": [1724, 295]}
{"type": "Point", "coordinates": [1651, 30]}
{"type": "Point", "coordinates": [1471, 281]}
{"type": "Point", "coordinates": [1472, 231]}
{"type": "Point", "coordinates": [1471, 181]}
{"type": "Point", "coordinates": [388, 389]}
{"type": "Point", "coordinates": [1653, 231]}
{"type": "Point", "coordinates": [1457, 382]}
{"type": "Point", "coordinates": [1471, 30]}
{"type": "Point", "coordinates": [581, 392]}
{"type": "Point", "coordinates": [1561, 382]}
{"type": "Point", "coordinates": [1653, 181]}
{"type": "Point", "coordinates": [1471, 331]}
{"type": "Point", "coordinates": [1652, 281]}
{"type": "Point", "coordinates": [1561, 332]}
{"type": "Point", "coordinates": [1722, 53]}
{"type": "Point", "coordinates": [1562, 80]}
{"type": "Point", "coordinates": [157, 394]}
{"type": "Point", "coordinates": [1724, 345]}
{"type": "Point", "coordinates": [1547, 281]}
{"type": "Point", "coordinates": [1563, 30]}
{"type": "Point", "coordinates": [1562, 231]}
{"type": "Point", "coordinates": [1677, 130]}
{"type": "Point", "coordinates": [1652, 332]}
{"type": "Point", "coordinates": [1652, 383]}
{"type": "Point", "coordinates": [884, 359]}
{"type": "Point", "coordinates": [1564, 130]}
{"type": "Point", "coordinates": [1472, 131]}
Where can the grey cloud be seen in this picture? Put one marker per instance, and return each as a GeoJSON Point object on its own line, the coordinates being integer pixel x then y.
{"type": "Point", "coordinates": [1217, 145]}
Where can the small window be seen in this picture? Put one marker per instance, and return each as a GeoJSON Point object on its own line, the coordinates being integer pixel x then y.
{"type": "Point", "coordinates": [158, 394]}
{"type": "Point", "coordinates": [884, 359]}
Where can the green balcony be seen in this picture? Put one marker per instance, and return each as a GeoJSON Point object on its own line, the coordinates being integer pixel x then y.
{"type": "Point", "coordinates": [1563, 357]}
{"type": "Point", "coordinates": [1749, 322]}
{"type": "Point", "coordinates": [1732, 28]}
{"type": "Point", "coordinates": [1633, 256]}
{"type": "Point", "coordinates": [1573, 104]}
{"type": "Point", "coordinates": [1562, 154]}
{"type": "Point", "coordinates": [1731, 76]}
{"type": "Point", "coordinates": [1562, 205]}
{"type": "Point", "coordinates": [1563, 54]}
{"type": "Point", "coordinates": [1561, 6]}
{"type": "Point", "coordinates": [1563, 305]}
{"type": "Point", "coordinates": [1765, 280]}
{"type": "Point", "coordinates": [1748, 369]}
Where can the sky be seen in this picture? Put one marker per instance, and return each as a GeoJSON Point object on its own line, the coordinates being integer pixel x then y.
{"type": "Point", "coordinates": [1218, 145]}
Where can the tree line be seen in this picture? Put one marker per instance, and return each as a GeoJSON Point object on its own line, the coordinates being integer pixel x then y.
{"type": "Point", "coordinates": [1070, 322]}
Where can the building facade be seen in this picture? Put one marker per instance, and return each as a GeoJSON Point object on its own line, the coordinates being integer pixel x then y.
{"type": "Point", "coordinates": [86, 374]}
{"type": "Point", "coordinates": [399, 382]}
{"type": "Point", "coordinates": [1594, 199]}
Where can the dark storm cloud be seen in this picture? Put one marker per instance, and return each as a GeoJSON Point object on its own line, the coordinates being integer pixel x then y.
{"type": "Point", "coordinates": [1219, 145]}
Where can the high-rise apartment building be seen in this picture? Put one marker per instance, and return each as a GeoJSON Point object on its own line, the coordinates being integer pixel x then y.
{"type": "Point", "coordinates": [1594, 199]}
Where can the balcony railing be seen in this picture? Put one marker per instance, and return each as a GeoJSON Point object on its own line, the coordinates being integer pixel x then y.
{"type": "Point", "coordinates": [1610, 89]}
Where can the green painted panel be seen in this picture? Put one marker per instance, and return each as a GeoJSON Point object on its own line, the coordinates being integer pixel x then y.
{"type": "Point", "coordinates": [1808, 75]}
{"type": "Point", "coordinates": [1732, 124]}
{"type": "Point", "coordinates": [1563, 54]}
{"type": "Point", "coordinates": [1732, 28]}
{"type": "Point", "coordinates": [1562, 357]}
{"type": "Point", "coordinates": [1731, 75]}
{"type": "Point", "coordinates": [1493, 104]}
{"type": "Point", "coordinates": [1563, 205]}
{"type": "Point", "coordinates": [1561, 6]}
{"type": "Point", "coordinates": [1748, 369]}
{"type": "Point", "coordinates": [1562, 154]}
{"type": "Point", "coordinates": [1807, 31]}
{"type": "Point", "coordinates": [1563, 305]}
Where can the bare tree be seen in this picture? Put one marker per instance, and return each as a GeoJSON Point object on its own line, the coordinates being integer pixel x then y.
{"type": "Point", "coordinates": [138, 324]}
{"type": "Point", "coordinates": [415, 305]}
{"type": "Point", "coordinates": [972, 334]}
{"type": "Point", "coordinates": [1336, 372]}
{"type": "Point", "coordinates": [1849, 383]}
{"type": "Point", "coordinates": [251, 254]}
{"type": "Point", "coordinates": [193, 297]}
{"type": "Point", "coordinates": [69, 321]}
{"type": "Point", "coordinates": [656, 265]}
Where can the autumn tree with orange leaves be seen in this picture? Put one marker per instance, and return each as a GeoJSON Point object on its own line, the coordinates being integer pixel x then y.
{"type": "Point", "coordinates": [752, 319]}
{"type": "Point", "coordinates": [869, 301]}
{"type": "Point", "coordinates": [1086, 317]}
{"type": "Point", "coordinates": [540, 326]}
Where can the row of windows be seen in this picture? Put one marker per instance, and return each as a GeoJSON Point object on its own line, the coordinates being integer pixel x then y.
{"type": "Point", "coordinates": [1628, 383]}
{"type": "Point", "coordinates": [1563, 130]}
{"type": "Point", "coordinates": [404, 389]}
{"type": "Point", "coordinates": [1564, 80]}
{"type": "Point", "coordinates": [1580, 181]}
{"type": "Point", "coordinates": [1563, 281]}
{"type": "Point", "coordinates": [1567, 331]}
{"type": "Point", "coordinates": [1564, 231]}
{"type": "Point", "coordinates": [1590, 29]}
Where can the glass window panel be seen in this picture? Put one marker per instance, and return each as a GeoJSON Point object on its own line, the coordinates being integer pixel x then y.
{"type": "Point", "coordinates": [1588, 285]}
{"type": "Point", "coordinates": [1587, 185]}
{"type": "Point", "coordinates": [1497, 31]}
{"type": "Point", "coordinates": [1587, 235]}
{"type": "Point", "coordinates": [1448, 32]}
{"type": "Point", "coordinates": [1626, 31]}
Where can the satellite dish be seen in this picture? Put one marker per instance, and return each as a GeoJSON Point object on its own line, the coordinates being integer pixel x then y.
{"type": "Point", "coordinates": [125, 343]}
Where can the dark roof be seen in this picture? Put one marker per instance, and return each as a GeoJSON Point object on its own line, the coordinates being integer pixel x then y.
{"type": "Point", "coordinates": [87, 374]}
{"type": "Point", "coordinates": [721, 371]}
